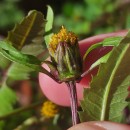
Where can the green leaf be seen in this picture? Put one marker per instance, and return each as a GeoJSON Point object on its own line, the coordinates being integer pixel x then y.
{"type": "Point", "coordinates": [12, 54]}
{"type": "Point", "coordinates": [4, 62]}
{"type": "Point", "coordinates": [10, 14]}
{"type": "Point", "coordinates": [19, 72]}
{"type": "Point", "coordinates": [105, 99]}
{"type": "Point", "coordinates": [7, 100]}
{"type": "Point", "coordinates": [49, 25]}
{"type": "Point", "coordinates": [111, 41]}
{"type": "Point", "coordinates": [30, 30]}
{"type": "Point", "coordinates": [101, 60]}
{"type": "Point", "coordinates": [2, 123]}
{"type": "Point", "coordinates": [33, 49]}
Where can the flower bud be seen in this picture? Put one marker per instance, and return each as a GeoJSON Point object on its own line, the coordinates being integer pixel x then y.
{"type": "Point", "coordinates": [64, 51]}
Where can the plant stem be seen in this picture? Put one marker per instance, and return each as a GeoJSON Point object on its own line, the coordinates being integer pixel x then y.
{"type": "Point", "coordinates": [74, 102]}
{"type": "Point", "coordinates": [43, 70]}
{"type": "Point", "coordinates": [19, 110]}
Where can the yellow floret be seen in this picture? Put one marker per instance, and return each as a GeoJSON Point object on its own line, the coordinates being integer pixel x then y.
{"type": "Point", "coordinates": [49, 109]}
{"type": "Point", "coordinates": [63, 36]}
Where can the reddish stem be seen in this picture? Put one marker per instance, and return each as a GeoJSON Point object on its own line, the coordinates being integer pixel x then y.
{"type": "Point", "coordinates": [74, 102]}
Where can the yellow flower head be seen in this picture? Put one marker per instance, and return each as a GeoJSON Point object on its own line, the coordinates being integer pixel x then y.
{"type": "Point", "coordinates": [63, 36]}
{"type": "Point", "coordinates": [49, 109]}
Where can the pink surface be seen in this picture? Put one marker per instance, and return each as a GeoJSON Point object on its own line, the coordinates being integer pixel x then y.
{"type": "Point", "coordinates": [58, 93]}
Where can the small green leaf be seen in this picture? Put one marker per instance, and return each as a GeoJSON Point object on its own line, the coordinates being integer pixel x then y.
{"type": "Point", "coordinates": [101, 60]}
{"type": "Point", "coordinates": [7, 100]}
{"type": "Point", "coordinates": [33, 49]}
{"type": "Point", "coordinates": [105, 99]}
{"type": "Point", "coordinates": [49, 25]}
{"type": "Point", "coordinates": [4, 62]}
{"type": "Point", "coordinates": [19, 72]}
{"type": "Point", "coordinates": [12, 54]}
{"type": "Point", "coordinates": [111, 41]}
{"type": "Point", "coordinates": [30, 30]}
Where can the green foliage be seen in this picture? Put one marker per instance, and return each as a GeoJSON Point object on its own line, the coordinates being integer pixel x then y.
{"type": "Point", "coordinates": [97, 8]}
{"type": "Point", "coordinates": [30, 30]}
{"type": "Point", "coordinates": [128, 22]}
{"type": "Point", "coordinates": [7, 100]}
{"type": "Point", "coordinates": [79, 16]}
{"type": "Point", "coordinates": [105, 100]}
{"type": "Point", "coordinates": [2, 123]}
{"type": "Point", "coordinates": [101, 60]}
{"type": "Point", "coordinates": [112, 41]}
{"type": "Point", "coordinates": [19, 72]}
{"type": "Point", "coordinates": [49, 25]}
{"type": "Point", "coordinates": [9, 13]}
{"type": "Point", "coordinates": [14, 55]}
{"type": "Point", "coordinates": [87, 18]}
{"type": "Point", "coordinates": [33, 49]}
{"type": "Point", "coordinates": [4, 62]}
{"type": "Point", "coordinates": [73, 18]}
{"type": "Point", "coordinates": [28, 38]}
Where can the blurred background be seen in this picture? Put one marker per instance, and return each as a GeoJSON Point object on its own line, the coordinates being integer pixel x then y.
{"type": "Point", "coordinates": [86, 18]}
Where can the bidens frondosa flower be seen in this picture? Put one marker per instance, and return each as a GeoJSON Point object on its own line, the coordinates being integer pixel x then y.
{"type": "Point", "coordinates": [64, 51]}
{"type": "Point", "coordinates": [49, 109]}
